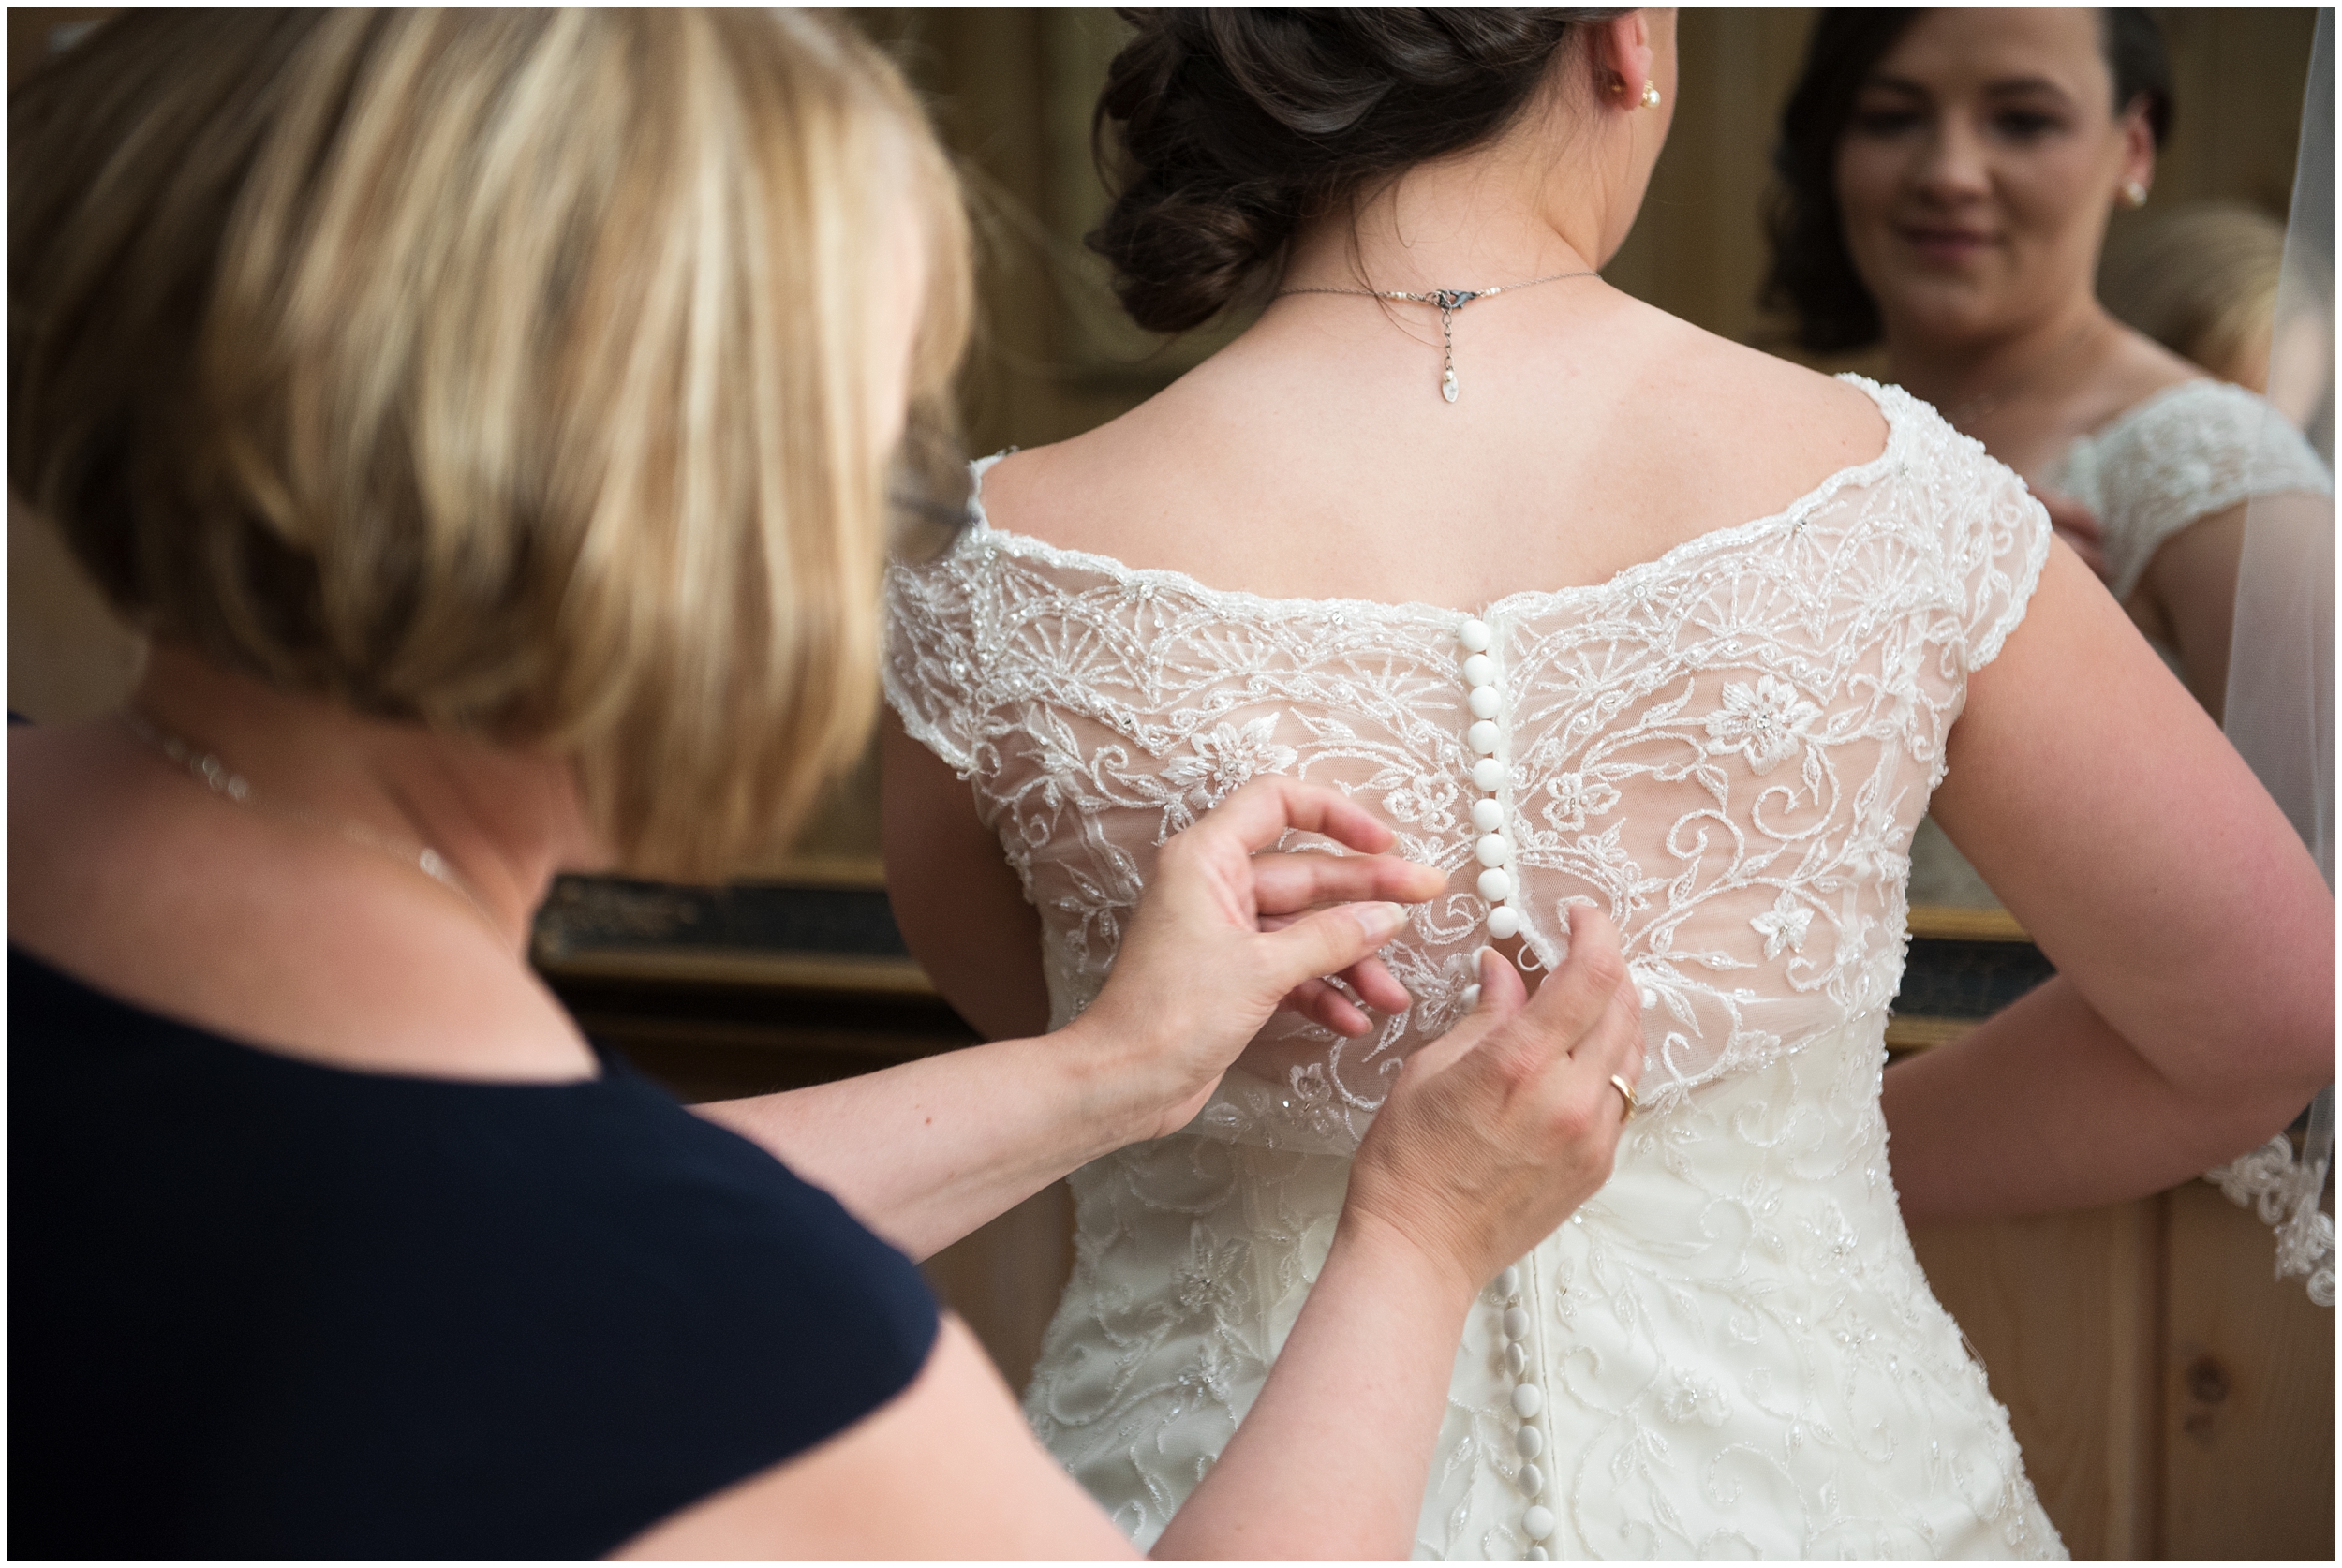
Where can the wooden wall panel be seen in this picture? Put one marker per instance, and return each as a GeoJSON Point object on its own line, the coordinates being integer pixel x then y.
{"type": "Point", "coordinates": [2245, 1382]}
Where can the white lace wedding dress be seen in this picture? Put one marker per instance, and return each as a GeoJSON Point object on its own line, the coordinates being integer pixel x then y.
{"type": "Point", "coordinates": [1730, 1351]}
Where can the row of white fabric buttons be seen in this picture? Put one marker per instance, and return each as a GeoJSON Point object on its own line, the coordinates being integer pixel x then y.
{"type": "Point", "coordinates": [1494, 851]}
{"type": "Point", "coordinates": [1537, 1521]}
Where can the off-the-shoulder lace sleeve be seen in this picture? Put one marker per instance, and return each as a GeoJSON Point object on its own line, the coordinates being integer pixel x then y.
{"type": "Point", "coordinates": [1996, 538]}
{"type": "Point", "coordinates": [2186, 453]}
{"type": "Point", "coordinates": [932, 657]}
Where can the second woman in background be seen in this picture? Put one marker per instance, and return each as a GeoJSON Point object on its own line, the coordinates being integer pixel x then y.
{"type": "Point", "coordinates": [1949, 177]}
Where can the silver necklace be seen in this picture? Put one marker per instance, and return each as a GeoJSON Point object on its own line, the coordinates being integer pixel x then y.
{"type": "Point", "coordinates": [1449, 301]}
{"type": "Point", "coordinates": [232, 787]}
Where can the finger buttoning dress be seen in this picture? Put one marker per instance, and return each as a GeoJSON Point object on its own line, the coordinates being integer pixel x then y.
{"type": "Point", "coordinates": [1731, 1350]}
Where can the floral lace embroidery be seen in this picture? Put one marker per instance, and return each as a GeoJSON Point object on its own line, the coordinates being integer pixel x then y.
{"type": "Point", "coordinates": [2284, 1190]}
{"type": "Point", "coordinates": [1727, 748]}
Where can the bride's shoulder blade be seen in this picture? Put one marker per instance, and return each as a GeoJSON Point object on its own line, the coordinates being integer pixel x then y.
{"type": "Point", "coordinates": [1637, 426]}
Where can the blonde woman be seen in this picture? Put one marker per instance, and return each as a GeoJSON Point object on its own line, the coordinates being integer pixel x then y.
{"type": "Point", "coordinates": [488, 415]}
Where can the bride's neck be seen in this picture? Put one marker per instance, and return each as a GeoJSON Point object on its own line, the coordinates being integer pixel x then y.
{"type": "Point", "coordinates": [1521, 208]}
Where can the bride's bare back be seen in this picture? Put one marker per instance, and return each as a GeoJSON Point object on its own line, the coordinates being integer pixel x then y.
{"type": "Point", "coordinates": [1314, 457]}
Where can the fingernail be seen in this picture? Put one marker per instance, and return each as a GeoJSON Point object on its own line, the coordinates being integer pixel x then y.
{"type": "Point", "coordinates": [1385, 920]}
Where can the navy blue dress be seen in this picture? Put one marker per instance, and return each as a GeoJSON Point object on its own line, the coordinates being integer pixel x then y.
{"type": "Point", "coordinates": [263, 1308]}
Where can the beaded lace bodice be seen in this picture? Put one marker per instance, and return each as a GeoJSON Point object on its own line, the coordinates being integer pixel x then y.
{"type": "Point", "coordinates": [2187, 453]}
{"type": "Point", "coordinates": [1731, 1348]}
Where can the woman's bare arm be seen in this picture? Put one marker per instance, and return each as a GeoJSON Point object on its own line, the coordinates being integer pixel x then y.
{"type": "Point", "coordinates": [945, 1469]}
{"type": "Point", "coordinates": [1491, 1137]}
{"type": "Point", "coordinates": [2187, 596]}
{"type": "Point", "coordinates": [956, 899]}
{"type": "Point", "coordinates": [924, 1152]}
{"type": "Point", "coordinates": [2193, 1011]}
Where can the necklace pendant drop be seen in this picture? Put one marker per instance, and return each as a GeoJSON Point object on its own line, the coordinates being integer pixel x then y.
{"type": "Point", "coordinates": [1448, 384]}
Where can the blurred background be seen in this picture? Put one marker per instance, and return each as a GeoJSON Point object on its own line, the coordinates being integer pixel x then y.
{"type": "Point", "coordinates": [2171, 1398]}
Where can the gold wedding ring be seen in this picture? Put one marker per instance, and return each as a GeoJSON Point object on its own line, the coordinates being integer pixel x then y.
{"type": "Point", "coordinates": [1625, 1091]}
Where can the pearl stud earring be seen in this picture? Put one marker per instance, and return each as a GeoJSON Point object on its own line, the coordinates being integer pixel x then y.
{"type": "Point", "coordinates": [2135, 193]}
{"type": "Point", "coordinates": [1651, 99]}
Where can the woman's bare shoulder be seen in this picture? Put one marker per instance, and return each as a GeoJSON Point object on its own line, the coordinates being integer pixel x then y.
{"type": "Point", "coordinates": [1085, 492]}
{"type": "Point", "coordinates": [1677, 420]}
{"type": "Point", "coordinates": [1760, 403]}
{"type": "Point", "coordinates": [1749, 425]}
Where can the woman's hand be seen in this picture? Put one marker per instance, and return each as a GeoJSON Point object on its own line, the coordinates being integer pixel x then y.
{"type": "Point", "coordinates": [1216, 945]}
{"type": "Point", "coordinates": [1490, 1138]}
{"type": "Point", "coordinates": [1494, 1134]}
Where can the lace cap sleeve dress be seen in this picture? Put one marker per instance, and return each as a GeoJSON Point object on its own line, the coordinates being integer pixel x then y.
{"type": "Point", "coordinates": [1731, 1350]}
{"type": "Point", "coordinates": [2186, 453]}
{"type": "Point", "coordinates": [261, 1309]}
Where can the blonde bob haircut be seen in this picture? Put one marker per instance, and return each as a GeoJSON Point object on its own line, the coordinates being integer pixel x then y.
{"type": "Point", "coordinates": [2201, 279]}
{"type": "Point", "coordinates": [514, 373]}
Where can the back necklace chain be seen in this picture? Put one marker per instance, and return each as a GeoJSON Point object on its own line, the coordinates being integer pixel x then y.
{"type": "Point", "coordinates": [1449, 301]}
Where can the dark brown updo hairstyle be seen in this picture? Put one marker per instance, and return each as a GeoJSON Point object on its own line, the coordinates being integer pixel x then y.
{"type": "Point", "coordinates": [1813, 275]}
{"type": "Point", "coordinates": [1222, 130]}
